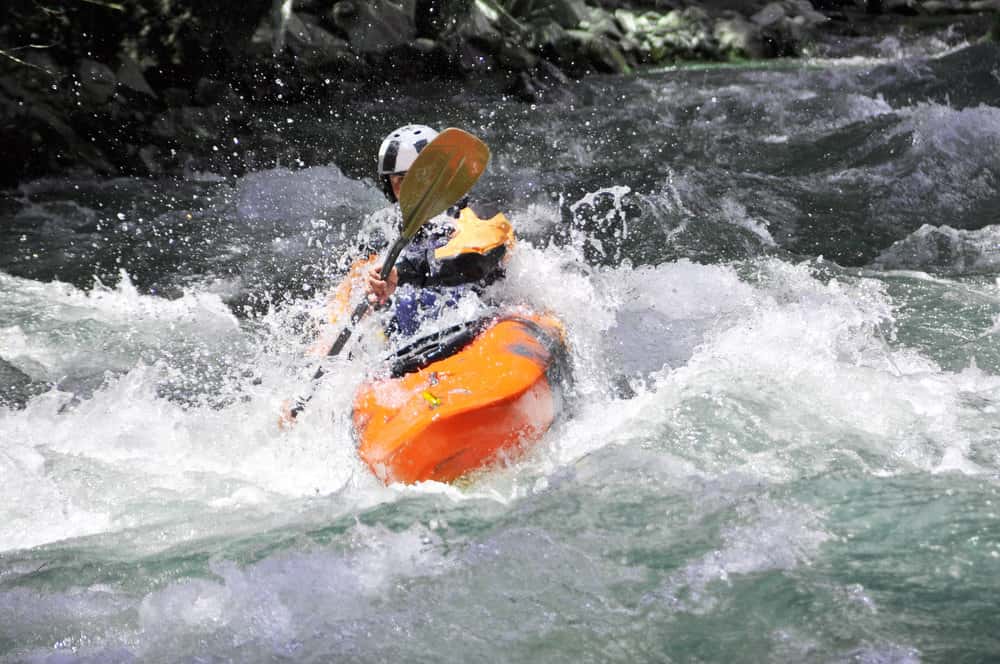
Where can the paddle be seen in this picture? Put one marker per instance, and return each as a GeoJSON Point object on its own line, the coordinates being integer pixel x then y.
{"type": "Point", "coordinates": [442, 173]}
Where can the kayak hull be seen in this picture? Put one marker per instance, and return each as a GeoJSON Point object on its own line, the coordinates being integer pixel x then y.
{"type": "Point", "coordinates": [486, 403]}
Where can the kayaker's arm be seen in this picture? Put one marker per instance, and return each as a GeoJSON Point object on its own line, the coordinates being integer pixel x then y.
{"type": "Point", "coordinates": [339, 303]}
{"type": "Point", "coordinates": [381, 290]}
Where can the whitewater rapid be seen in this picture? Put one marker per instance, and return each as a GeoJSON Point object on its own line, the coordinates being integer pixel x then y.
{"type": "Point", "coordinates": [780, 443]}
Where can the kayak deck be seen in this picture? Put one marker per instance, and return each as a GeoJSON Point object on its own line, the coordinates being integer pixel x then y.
{"type": "Point", "coordinates": [486, 402]}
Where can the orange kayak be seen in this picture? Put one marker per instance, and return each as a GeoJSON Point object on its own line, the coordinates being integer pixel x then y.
{"type": "Point", "coordinates": [438, 419]}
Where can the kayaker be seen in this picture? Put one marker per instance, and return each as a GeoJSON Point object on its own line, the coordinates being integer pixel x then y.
{"type": "Point", "coordinates": [450, 255]}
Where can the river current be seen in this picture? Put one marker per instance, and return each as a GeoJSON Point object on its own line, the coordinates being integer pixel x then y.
{"type": "Point", "coordinates": [782, 292]}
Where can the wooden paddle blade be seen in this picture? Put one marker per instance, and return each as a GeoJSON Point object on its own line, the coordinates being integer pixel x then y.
{"type": "Point", "coordinates": [442, 173]}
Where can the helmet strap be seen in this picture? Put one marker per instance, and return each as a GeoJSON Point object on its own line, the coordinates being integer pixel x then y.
{"type": "Point", "coordinates": [387, 189]}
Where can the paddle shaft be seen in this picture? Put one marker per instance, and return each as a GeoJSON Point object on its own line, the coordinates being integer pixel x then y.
{"type": "Point", "coordinates": [363, 306]}
{"type": "Point", "coordinates": [359, 312]}
{"type": "Point", "coordinates": [411, 223]}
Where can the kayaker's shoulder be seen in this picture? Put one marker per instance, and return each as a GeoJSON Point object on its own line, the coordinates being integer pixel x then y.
{"type": "Point", "coordinates": [479, 209]}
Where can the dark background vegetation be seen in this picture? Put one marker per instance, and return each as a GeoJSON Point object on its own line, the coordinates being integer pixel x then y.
{"type": "Point", "coordinates": [143, 87]}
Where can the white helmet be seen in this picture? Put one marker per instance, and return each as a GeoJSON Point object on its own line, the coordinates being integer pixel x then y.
{"type": "Point", "coordinates": [399, 150]}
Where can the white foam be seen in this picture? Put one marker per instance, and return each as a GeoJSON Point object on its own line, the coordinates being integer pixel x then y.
{"type": "Point", "coordinates": [793, 377]}
{"type": "Point", "coordinates": [752, 370]}
{"type": "Point", "coordinates": [736, 214]}
{"type": "Point", "coordinates": [945, 248]}
{"type": "Point", "coordinates": [777, 538]}
{"type": "Point", "coordinates": [54, 328]}
{"type": "Point", "coordinates": [284, 195]}
{"type": "Point", "coordinates": [949, 167]}
{"type": "Point", "coordinates": [266, 599]}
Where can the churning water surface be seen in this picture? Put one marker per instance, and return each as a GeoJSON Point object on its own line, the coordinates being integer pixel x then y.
{"type": "Point", "coordinates": [782, 442]}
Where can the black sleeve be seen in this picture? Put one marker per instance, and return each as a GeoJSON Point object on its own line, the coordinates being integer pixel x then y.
{"type": "Point", "coordinates": [468, 268]}
{"type": "Point", "coordinates": [414, 269]}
